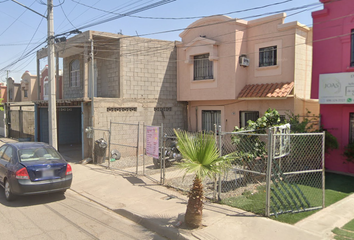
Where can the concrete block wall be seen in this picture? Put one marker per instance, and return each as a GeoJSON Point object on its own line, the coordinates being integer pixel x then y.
{"type": "Point", "coordinates": [108, 73]}
{"type": "Point", "coordinates": [148, 68]}
{"type": "Point", "coordinates": [142, 111]}
{"type": "Point", "coordinates": [22, 122]}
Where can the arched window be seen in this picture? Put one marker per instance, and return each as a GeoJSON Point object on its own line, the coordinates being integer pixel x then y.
{"type": "Point", "coordinates": [75, 73]}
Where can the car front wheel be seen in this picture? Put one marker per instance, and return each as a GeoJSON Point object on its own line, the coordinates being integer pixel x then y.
{"type": "Point", "coordinates": [8, 194]}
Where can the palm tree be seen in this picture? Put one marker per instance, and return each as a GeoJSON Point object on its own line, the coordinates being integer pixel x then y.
{"type": "Point", "coordinates": [201, 157]}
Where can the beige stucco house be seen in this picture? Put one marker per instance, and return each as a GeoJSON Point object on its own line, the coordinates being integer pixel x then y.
{"type": "Point", "coordinates": [231, 70]}
{"type": "Point", "coordinates": [29, 87]}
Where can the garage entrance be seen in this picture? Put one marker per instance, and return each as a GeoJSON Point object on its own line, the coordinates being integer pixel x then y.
{"type": "Point", "coordinates": [69, 127]}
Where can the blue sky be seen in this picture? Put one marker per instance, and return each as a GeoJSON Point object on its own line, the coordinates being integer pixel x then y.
{"type": "Point", "coordinates": [22, 30]}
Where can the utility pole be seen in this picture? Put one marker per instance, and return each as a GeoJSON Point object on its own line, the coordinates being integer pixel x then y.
{"type": "Point", "coordinates": [92, 96]}
{"type": "Point", "coordinates": [52, 104]}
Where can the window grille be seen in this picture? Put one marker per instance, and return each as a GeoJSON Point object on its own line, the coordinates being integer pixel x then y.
{"type": "Point", "coordinates": [268, 56]}
{"type": "Point", "coordinates": [203, 68]}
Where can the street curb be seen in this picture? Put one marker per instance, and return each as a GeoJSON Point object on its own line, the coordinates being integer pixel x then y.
{"type": "Point", "coordinates": [170, 232]}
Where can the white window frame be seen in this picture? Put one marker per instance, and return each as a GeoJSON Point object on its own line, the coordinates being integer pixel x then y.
{"type": "Point", "coordinates": [74, 79]}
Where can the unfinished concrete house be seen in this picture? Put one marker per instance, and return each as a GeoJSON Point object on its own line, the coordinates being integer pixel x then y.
{"type": "Point", "coordinates": [134, 81]}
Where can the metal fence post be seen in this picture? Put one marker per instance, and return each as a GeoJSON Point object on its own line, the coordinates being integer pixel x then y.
{"type": "Point", "coordinates": [137, 150]}
{"type": "Point", "coordinates": [220, 148]}
{"type": "Point", "coordinates": [269, 171]}
{"type": "Point", "coordinates": [162, 181]}
{"type": "Point", "coordinates": [144, 148]}
{"type": "Point", "coordinates": [163, 163]}
{"type": "Point", "coordinates": [215, 177]}
{"type": "Point", "coordinates": [323, 171]}
{"type": "Point", "coordinates": [109, 143]}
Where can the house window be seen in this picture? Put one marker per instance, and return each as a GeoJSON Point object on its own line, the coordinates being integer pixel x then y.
{"type": "Point", "coordinates": [203, 68]}
{"type": "Point", "coordinates": [75, 73]}
{"type": "Point", "coordinates": [351, 128]}
{"type": "Point", "coordinates": [352, 49]}
{"type": "Point", "coordinates": [209, 118]}
{"type": "Point", "coordinates": [248, 115]}
{"type": "Point", "coordinates": [46, 89]}
{"type": "Point", "coordinates": [268, 56]}
{"type": "Point", "coordinates": [25, 93]}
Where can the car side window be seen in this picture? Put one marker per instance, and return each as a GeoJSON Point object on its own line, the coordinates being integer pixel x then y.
{"type": "Point", "coordinates": [2, 150]}
{"type": "Point", "coordinates": [7, 154]}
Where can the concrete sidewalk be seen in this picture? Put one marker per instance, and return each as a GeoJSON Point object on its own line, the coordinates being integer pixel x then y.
{"type": "Point", "coordinates": [160, 209]}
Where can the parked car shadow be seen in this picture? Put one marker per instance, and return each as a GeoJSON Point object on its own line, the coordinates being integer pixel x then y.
{"type": "Point", "coordinates": [31, 200]}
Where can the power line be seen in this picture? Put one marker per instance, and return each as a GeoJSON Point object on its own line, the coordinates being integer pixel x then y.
{"type": "Point", "coordinates": [15, 20]}
{"type": "Point", "coordinates": [66, 16]}
{"type": "Point", "coordinates": [154, 5]}
{"type": "Point", "coordinates": [199, 26]}
{"type": "Point", "coordinates": [181, 18]}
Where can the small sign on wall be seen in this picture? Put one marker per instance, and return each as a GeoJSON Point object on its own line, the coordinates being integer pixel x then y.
{"type": "Point", "coordinates": [152, 141]}
{"type": "Point", "coordinates": [336, 88]}
{"type": "Point", "coordinates": [65, 109]}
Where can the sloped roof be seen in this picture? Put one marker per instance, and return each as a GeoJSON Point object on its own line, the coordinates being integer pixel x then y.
{"type": "Point", "coordinates": [267, 90]}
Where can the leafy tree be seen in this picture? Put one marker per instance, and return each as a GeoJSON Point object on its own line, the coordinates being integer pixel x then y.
{"type": "Point", "coordinates": [245, 152]}
{"type": "Point", "coordinates": [201, 157]}
{"type": "Point", "coordinates": [307, 125]}
{"type": "Point", "coordinates": [1, 105]}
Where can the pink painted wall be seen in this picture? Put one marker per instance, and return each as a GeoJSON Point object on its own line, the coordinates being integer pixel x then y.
{"type": "Point", "coordinates": [3, 92]}
{"type": "Point", "coordinates": [44, 75]}
{"type": "Point", "coordinates": [331, 54]}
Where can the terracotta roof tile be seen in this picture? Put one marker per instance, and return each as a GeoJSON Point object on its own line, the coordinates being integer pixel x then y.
{"type": "Point", "coordinates": [268, 90]}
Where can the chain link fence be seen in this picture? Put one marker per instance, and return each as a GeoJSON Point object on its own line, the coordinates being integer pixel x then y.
{"type": "Point", "coordinates": [244, 184]}
{"type": "Point", "coordinates": [274, 172]}
{"type": "Point", "coordinates": [296, 182]}
{"type": "Point", "coordinates": [124, 140]}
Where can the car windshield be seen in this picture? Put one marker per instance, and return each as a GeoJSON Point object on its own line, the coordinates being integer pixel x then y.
{"type": "Point", "coordinates": [38, 153]}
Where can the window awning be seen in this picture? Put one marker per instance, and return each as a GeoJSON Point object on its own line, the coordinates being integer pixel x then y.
{"type": "Point", "coordinates": [266, 91]}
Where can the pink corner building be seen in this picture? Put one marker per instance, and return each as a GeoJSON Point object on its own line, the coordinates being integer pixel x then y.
{"type": "Point", "coordinates": [333, 75]}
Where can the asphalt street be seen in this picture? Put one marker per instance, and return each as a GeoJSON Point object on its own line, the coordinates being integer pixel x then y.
{"type": "Point", "coordinates": [55, 216]}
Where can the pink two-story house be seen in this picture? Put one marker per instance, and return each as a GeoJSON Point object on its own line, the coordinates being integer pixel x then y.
{"type": "Point", "coordinates": [231, 71]}
{"type": "Point", "coordinates": [333, 75]}
{"type": "Point", "coordinates": [45, 84]}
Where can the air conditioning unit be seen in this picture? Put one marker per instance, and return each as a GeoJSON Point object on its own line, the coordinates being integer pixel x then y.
{"type": "Point", "coordinates": [244, 61]}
